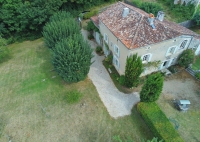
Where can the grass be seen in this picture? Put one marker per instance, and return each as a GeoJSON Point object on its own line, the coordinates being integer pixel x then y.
{"type": "Point", "coordinates": [182, 86]}
{"type": "Point", "coordinates": [196, 64]}
{"type": "Point", "coordinates": [34, 106]}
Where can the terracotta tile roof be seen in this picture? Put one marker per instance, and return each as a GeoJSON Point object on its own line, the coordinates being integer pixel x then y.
{"type": "Point", "coordinates": [95, 20]}
{"type": "Point", "coordinates": [134, 30]}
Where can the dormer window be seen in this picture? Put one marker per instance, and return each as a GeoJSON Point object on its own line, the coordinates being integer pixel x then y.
{"type": "Point", "coordinates": [146, 58]}
{"type": "Point", "coordinates": [183, 44]}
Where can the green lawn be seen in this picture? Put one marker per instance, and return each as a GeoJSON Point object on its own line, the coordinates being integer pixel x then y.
{"type": "Point", "coordinates": [196, 64]}
{"type": "Point", "coordinates": [33, 107]}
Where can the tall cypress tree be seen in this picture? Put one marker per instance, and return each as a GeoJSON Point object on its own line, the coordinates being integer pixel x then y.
{"type": "Point", "coordinates": [133, 70]}
{"type": "Point", "coordinates": [71, 58]}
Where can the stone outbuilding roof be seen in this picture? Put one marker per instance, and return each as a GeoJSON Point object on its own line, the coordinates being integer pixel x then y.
{"type": "Point", "coordinates": [134, 30]}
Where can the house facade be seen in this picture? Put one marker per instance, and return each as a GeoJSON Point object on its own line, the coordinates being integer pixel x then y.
{"type": "Point", "coordinates": [127, 30]}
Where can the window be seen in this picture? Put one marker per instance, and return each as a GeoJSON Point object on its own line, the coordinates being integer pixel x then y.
{"type": "Point", "coordinates": [116, 62]}
{"type": "Point", "coordinates": [146, 58]}
{"type": "Point", "coordinates": [171, 50]}
{"type": "Point", "coordinates": [111, 44]}
{"type": "Point", "coordinates": [116, 49]}
{"type": "Point", "coordinates": [106, 38]}
{"type": "Point", "coordinates": [183, 44]}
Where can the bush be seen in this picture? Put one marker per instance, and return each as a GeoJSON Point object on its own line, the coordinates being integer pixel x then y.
{"type": "Point", "coordinates": [186, 58]}
{"type": "Point", "coordinates": [151, 7]}
{"type": "Point", "coordinates": [90, 36]}
{"type": "Point", "coordinates": [152, 88]}
{"type": "Point", "coordinates": [91, 27]}
{"type": "Point", "coordinates": [98, 49]}
{"type": "Point", "coordinates": [73, 96]}
{"type": "Point", "coordinates": [90, 14]}
{"type": "Point", "coordinates": [122, 80]}
{"type": "Point", "coordinates": [158, 122]}
{"type": "Point", "coordinates": [109, 58]}
{"type": "Point", "coordinates": [197, 75]}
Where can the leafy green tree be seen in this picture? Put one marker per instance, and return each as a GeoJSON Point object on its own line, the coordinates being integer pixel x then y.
{"type": "Point", "coordinates": [152, 88]}
{"type": "Point", "coordinates": [71, 58]}
{"type": "Point", "coordinates": [61, 26]}
{"type": "Point", "coordinates": [151, 7]}
{"type": "Point", "coordinates": [196, 17]}
{"type": "Point", "coordinates": [186, 58]}
{"type": "Point", "coordinates": [133, 70]}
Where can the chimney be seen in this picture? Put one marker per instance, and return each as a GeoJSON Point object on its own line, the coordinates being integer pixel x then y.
{"type": "Point", "coordinates": [125, 12]}
{"type": "Point", "coordinates": [160, 16]}
{"type": "Point", "coordinates": [151, 20]}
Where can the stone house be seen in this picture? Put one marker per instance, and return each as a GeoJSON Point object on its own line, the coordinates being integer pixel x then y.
{"type": "Point", "coordinates": [126, 30]}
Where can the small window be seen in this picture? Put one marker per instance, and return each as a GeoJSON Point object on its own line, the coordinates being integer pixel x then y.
{"type": "Point", "coordinates": [111, 44]}
{"type": "Point", "coordinates": [171, 50]}
{"type": "Point", "coordinates": [116, 62]}
{"type": "Point", "coordinates": [106, 38]}
{"type": "Point", "coordinates": [183, 44]}
{"type": "Point", "coordinates": [116, 49]}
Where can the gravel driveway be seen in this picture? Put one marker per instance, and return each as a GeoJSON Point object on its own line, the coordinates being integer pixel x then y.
{"type": "Point", "coordinates": [117, 103]}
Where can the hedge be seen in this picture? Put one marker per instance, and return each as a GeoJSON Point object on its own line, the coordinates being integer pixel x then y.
{"type": "Point", "coordinates": [158, 122]}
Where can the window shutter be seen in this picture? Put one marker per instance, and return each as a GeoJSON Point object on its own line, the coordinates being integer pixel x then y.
{"type": "Point", "coordinates": [167, 52]}
{"type": "Point", "coordinates": [149, 57]}
{"type": "Point", "coordinates": [118, 52]}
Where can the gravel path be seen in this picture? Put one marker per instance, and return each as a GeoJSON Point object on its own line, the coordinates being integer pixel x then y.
{"type": "Point", "coordinates": [117, 103]}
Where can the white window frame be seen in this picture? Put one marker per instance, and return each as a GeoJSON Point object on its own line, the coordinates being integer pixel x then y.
{"type": "Point", "coordinates": [116, 50]}
{"type": "Point", "coordinates": [183, 44]}
{"type": "Point", "coordinates": [149, 55]}
{"type": "Point", "coordinates": [114, 62]}
{"type": "Point", "coordinates": [169, 50]}
{"type": "Point", "coordinates": [106, 38]}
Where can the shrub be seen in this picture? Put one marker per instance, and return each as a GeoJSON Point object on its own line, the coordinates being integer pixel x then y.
{"type": "Point", "coordinates": [152, 88]}
{"type": "Point", "coordinates": [151, 7]}
{"type": "Point", "coordinates": [91, 27]}
{"type": "Point", "coordinates": [109, 58]}
{"type": "Point", "coordinates": [197, 75]}
{"type": "Point", "coordinates": [158, 122]}
{"type": "Point", "coordinates": [133, 70]}
{"type": "Point", "coordinates": [98, 49]}
{"type": "Point", "coordinates": [186, 58]}
{"type": "Point", "coordinates": [73, 96]}
{"type": "Point", "coordinates": [71, 58]}
{"type": "Point", "coordinates": [122, 80]}
{"type": "Point", "coordinates": [90, 36]}
{"type": "Point", "coordinates": [90, 14]}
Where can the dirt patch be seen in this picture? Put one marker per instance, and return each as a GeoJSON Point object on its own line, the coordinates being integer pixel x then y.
{"type": "Point", "coordinates": [182, 86]}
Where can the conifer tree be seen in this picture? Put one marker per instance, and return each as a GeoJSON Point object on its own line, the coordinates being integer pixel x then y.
{"type": "Point", "coordinates": [152, 88]}
{"type": "Point", "coordinates": [71, 58]}
{"type": "Point", "coordinates": [133, 70]}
